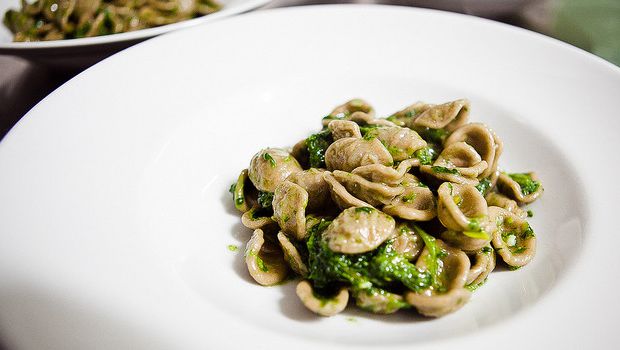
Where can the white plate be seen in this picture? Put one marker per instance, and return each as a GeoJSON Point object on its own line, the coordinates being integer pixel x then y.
{"type": "Point", "coordinates": [82, 52]}
{"type": "Point", "coordinates": [115, 216]}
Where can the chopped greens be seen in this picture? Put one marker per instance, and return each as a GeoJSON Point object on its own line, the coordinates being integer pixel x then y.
{"type": "Point", "coordinates": [317, 145]}
{"type": "Point", "coordinates": [525, 181]}
{"type": "Point", "coordinates": [426, 155]}
{"type": "Point", "coordinates": [232, 247]}
{"type": "Point", "coordinates": [474, 286]}
{"type": "Point", "coordinates": [265, 199]}
{"type": "Point", "coordinates": [483, 186]}
{"type": "Point", "coordinates": [372, 272]}
{"type": "Point", "coordinates": [433, 135]}
{"type": "Point", "coordinates": [435, 253]}
{"type": "Point", "coordinates": [364, 209]}
{"type": "Point", "coordinates": [237, 189]}
{"type": "Point", "coordinates": [269, 158]}
{"type": "Point", "coordinates": [444, 170]}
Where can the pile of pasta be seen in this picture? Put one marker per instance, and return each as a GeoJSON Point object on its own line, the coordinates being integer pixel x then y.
{"type": "Point", "coordinates": [69, 19]}
{"type": "Point", "coordinates": [407, 211]}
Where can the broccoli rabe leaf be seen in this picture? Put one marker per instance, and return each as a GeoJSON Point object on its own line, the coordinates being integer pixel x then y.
{"type": "Point", "coordinates": [381, 268]}
{"type": "Point", "coordinates": [317, 145]}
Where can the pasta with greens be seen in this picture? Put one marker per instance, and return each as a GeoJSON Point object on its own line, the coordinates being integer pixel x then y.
{"type": "Point", "coordinates": [70, 19]}
{"type": "Point", "coordinates": [408, 211]}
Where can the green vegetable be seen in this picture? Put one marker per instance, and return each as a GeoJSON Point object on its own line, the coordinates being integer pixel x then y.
{"type": "Point", "coordinates": [265, 199]}
{"type": "Point", "coordinates": [528, 232]}
{"type": "Point", "coordinates": [317, 145]}
{"type": "Point", "coordinates": [233, 248]}
{"type": "Point", "coordinates": [525, 181]}
{"type": "Point", "coordinates": [426, 155]}
{"type": "Point", "coordinates": [476, 234]}
{"type": "Point", "coordinates": [487, 250]}
{"type": "Point", "coordinates": [433, 135]}
{"type": "Point", "coordinates": [269, 158]}
{"type": "Point", "coordinates": [435, 253]}
{"type": "Point", "coordinates": [369, 132]}
{"type": "Point", "coordinates": [364, 209]}
{"type": "Point", "coordinates": [483, 186]}
{"type": "Point", "coordinates": [408, 198]}
{"type": "Point", "coordinates": [237, 189]}
{"type": "Point", "coordinates": [332, 117]}
{"type": "Point", "coordinates": [530, 213]}
{"type": "Point", "coordinates": [261, 264]}
{"type": "Point", "coordinates": [513, 268]}
{"type": "Point", "coordinates": [472, 287]}
{"type": "Point", "coordinates": [444, 170]}
{"type": "Point", "coordinates": [369, 272]}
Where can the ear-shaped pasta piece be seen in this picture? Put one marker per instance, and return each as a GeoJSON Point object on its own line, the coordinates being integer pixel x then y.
{"type": "Point", "coordinates": [370, 192]}
{"type": "Point", "coordinates": [522, 187]}
{"type": "Point", "coordinates": [407, 242]}
{"type": "Point", "coordinates": [358, 230]}
{"type": "Point", "coordinates": [499, 200]}
{"type": "Point", "coordinates": [415, 203]}
{"type": "Point", "coordinates": [449, 295]}
{"type": "Point", "coordinates": [252, 220]}
{"type": "Point", "coordinates": [289, 209]}
{"type": "Point", "coordinates": [264, 260]}
{"type": "Point", "coordinates": [352, 106]}
{"type": "Point", "coordinates": [301, 154]}
{"type": "Point", "coordinates": [379, 301]}
{"type": "Point", "coordinates": [344, 128]}
{"type": "Point", "coordinates": [462, 208]}
{"type": "Point", "coordinates": [448, 116]}
{"type": "Point", "coordinates": [349, 153]}
{"type": "Point", "coordinates": [484, 263]}
{"type": "Point", "coordinates": [368, 119]}
{"type": "Point", "coordinates": [319, 194]}
{"type": "Point", "coordinates": [386, 174]}
{"type": "Point", "coordinates": [270, 167]}
{"type": "Point", "coordinates": [463, 158]}
{"type": "Point", "coordinates": [340, 195]}
{"type": "Point", "coordinates": [292, 256]}
{"type": "Point", "coordinates": [514, 239]}
{"type": "Point", "coordinates": [322, 306]}
{"type": "Point", "coordinates": [406, 116]}
{"type": "Point", "coordinates": [483, 140]}
{"type": "Point", "coordinates": [400, 142]}
{"type": "Point", "coordinates": [468, 241]}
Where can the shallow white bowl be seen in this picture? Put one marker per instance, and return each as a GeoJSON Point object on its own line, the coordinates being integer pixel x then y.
{"type": "Point", "coordinates": [83, 52]}
{"type": "Point", "coordinates": [115, 216]}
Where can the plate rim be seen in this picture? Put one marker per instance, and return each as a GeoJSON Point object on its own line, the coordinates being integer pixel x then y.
{"type": "Point", "coordinates": [614, 69]}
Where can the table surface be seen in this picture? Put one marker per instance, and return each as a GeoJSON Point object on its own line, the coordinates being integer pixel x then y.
{"type": "Point", "coordinates": [596, 22]}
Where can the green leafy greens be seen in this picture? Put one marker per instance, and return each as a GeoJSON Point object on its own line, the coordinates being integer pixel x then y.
{"type": "Point", "coordinates": [317, 145]}
{"type": "Point", "coordinates": [525, 181]}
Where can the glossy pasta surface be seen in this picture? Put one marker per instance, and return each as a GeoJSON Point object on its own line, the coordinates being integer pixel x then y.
{"type": "Point", "coordinates": [410, 211]}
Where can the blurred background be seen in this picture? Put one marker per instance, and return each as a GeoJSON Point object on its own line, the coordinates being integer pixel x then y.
{"type": "Point", "coordinates": [593, 25]}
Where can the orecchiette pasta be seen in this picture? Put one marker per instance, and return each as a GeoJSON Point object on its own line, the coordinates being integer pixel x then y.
{"type": "Point", "coordinates": [403, 212]}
